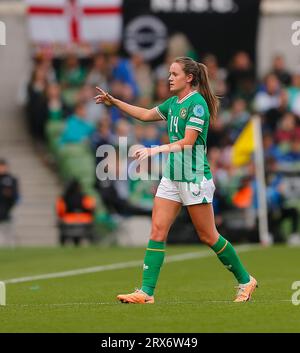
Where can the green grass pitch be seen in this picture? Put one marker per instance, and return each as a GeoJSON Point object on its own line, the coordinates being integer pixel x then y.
{"type": "Point", "coordinates": [193, 295]}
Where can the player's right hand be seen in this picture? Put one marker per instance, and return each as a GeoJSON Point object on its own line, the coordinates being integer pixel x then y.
{"type": "Point", "coordinates": [103, 97]}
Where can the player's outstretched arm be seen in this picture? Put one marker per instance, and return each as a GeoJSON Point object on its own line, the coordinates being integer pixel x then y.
{"type": "Point", "coordinates": [132, 110]}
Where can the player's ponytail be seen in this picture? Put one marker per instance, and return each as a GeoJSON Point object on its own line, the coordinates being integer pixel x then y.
{"type": "Point", "coordinates": [200, 82]}
{"type": "Point", "coordinates": [204, 88]}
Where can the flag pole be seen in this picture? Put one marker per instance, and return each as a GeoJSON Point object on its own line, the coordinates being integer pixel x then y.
{"type": "Point", "coordinates": [263, 230]}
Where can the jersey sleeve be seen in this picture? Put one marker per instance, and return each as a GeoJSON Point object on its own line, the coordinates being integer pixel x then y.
{"type": "Point", "coordinates": [198, 116]}
{"type": "Point", "coordinates": [163, 109]}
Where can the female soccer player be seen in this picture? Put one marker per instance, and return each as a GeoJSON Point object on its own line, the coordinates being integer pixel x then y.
{"type": "Point", "coordinates": [187, 113]}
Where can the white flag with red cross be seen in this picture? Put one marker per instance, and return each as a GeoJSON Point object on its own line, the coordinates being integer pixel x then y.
{"type": "Point", "coordinates": [65, 21]}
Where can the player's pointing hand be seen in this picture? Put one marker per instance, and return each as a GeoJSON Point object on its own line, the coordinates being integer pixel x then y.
{"type": "Point", "coordinates": [103, 97]}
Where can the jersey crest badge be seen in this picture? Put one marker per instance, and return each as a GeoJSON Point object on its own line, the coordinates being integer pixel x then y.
{"type": "Point", "coordinates": [183, 113]}
{"type": "Point", "coordinates": [198, 111]}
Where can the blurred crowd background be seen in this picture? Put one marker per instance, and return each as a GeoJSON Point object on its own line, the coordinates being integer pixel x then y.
{"type": "Point", "coordinates": [67, 127]}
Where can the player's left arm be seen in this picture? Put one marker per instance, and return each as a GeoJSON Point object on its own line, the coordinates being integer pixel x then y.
{"type": "Point", "coordinates": [188, 141]}
{"type": "Point", "coordinates": [197, 119]}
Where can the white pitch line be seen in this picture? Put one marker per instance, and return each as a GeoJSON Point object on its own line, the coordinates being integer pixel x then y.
{"type": "Point", "coordinates": [120, 266]}
{"type": "Point", "coordinates": [158, 303]}
{"type": "Point", "coordinates": [61, 304]}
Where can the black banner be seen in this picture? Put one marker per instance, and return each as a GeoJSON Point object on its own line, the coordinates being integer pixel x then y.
{"type": "Point", "coordinates": [221, 27]}
{"type": "Point", "coordinates": [127, 342]}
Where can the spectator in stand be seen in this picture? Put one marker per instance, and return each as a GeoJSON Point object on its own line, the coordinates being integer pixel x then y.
{"type": "Point", "coordinates": [269, 97]}
{"type": "Point", "coordinates": [98, 75]}
{"type": "Point", "coordinates": [287, 131]}
{"type": "Point", "coordinates": [243, 197]}
{"type": "Point", "coordinates": [180, 45]}
{"type": "Point", "coordinates": [103, 136]}
{"type": "Point", "coordinates": [44, 60]}
{"type": "Point", "coordinates": [271, 149]}
{"type": "Point", "coordinates": [217, 77]}
{"type": "Point", "coordinates": [56, 108]}
{"type": "Point", "coordinates": [294, 154]}
{"type": "Point", "coordinates": [143, 78]}
{"type": "Point", "coordinates": [236, 119]}
{"type": "Point", "coordinates": [280, 71]}
{"type": "Point", "coordinates": [271, 118]}
{"type": "Point", "coordinates": [56, 113]}
{"type": "Point", "coordinates": [72, 74]}
{"type": "Point", "coordinates": [221, 176]}
{"type": "Point", "coordinates": [36, 108]}
{"type": "Point", "coordinates": [241, 77]}
{"type": "Point", "coordinates": [122, 82]}
{"type": "Point", "coordinates": [93, 114]}
{"type": "Point", "coordinates": [75, 211]}
{"type": "Point", "coordinates": [122, 71]}
{"type": "Point", "coordinates": [271, 101]}
{"type": "Point", "coordinates": [216, 135]}
{"type": "Point", "coordinates": [114, 190]}
{"type": "Point", "coordinates": [77, 129]}
{"type": "Point", "coordinates": [9, 195]}
{"type": "Point", "coordinates": [278, 211]}
{"type": "Point", "coordinates": [71, 78]}
{"type": "Point", "coordinates": [294, 93]}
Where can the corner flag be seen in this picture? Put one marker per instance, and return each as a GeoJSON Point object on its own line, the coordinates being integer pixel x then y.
{"type": "Point", "coordinates": [250, 142]}
{"type": "Point", "coordinates": [244, 146]}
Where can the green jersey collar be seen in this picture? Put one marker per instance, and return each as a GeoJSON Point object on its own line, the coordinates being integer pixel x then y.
{"type": "Point", "coordinates": [186, 97]}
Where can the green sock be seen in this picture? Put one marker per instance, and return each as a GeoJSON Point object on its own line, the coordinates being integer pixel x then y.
{"type": "Point", "coordinates": [154, 258]}
{"type": "Point", "coordinates": [230, 260]}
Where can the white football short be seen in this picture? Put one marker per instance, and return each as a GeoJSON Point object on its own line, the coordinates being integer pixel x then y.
{"type": "Point", "coordinates": [186, 193]}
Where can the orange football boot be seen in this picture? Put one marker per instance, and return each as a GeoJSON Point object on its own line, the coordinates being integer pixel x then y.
{"type": "Point", "coordinates": [137, 297]}
{"type": "Point", "coordinates": [245, 290]}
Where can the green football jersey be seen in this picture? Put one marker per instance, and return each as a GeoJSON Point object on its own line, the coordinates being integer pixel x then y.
{"type": "Point", "coordinates": [191, 112]}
